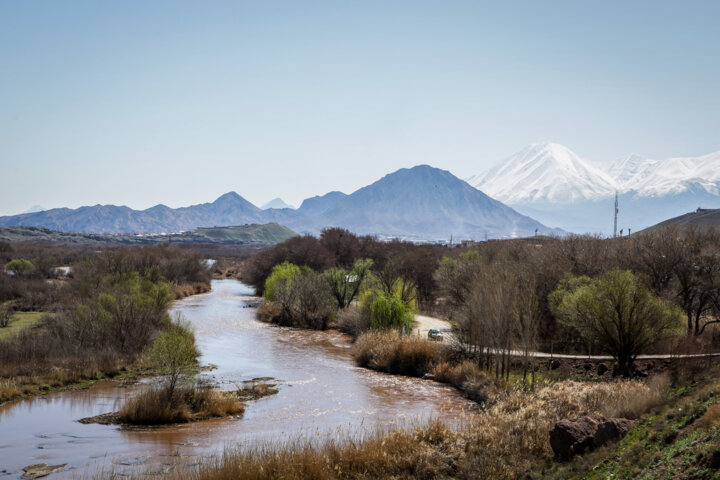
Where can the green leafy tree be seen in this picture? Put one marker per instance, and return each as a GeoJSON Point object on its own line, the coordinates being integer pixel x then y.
{"type": "Point", "coordinates": [281, 273]}
{"type": "Point", "coordinates": [345, 285]}
{"type": "Point", "coordinates": [19, 266]}
{"type": "Point", "coordinates": [616, 311]}
{"type": "Point", "coordinates": [388, 310]}
{"type": "Point", "coordinates": [174, 354]}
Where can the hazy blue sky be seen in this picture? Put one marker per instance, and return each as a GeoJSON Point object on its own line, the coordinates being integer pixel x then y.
{"type": "Point", "coordinates": [143, 102]}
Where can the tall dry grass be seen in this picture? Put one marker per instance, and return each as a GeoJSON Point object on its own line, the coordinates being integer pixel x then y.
{"type": "Point", "coordinates": [508, 440]}
{"type": "Point", "coordinates": [467, 377]}
{"type": "Point", "coordinates": [32, 377]}
{"type": "Point", "coordinates": [389, 351]}
{"type": "Point", "coordinates": [421, 453]}
{"type": "Point", "coordinates": [629, 399]}
{"type": "Point", "coordinates": [157, 406]}
{"type": "Point", "coordinates": [9, 390]}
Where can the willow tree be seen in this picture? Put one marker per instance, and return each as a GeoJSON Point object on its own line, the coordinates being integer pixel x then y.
{"type": "Point", "coordinates": [345, 285]}
{"type": "Point", "coordinates": [617, 311]}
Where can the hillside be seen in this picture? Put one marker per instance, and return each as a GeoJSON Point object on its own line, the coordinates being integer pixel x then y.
{"type": "Point", "coordinates": [270, 233]}
{"type": "Point", "coordinates": [700, 218]}
{"type": "Point", "coordinates": [679, 440]}
{"type": "Point", "coordinates": [254, 233]}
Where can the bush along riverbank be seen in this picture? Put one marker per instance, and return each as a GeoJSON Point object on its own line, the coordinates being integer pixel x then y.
{"type": "Point", "coordinates": [110, 312]}
{"type": "Point", "coordinates": [178, 396]}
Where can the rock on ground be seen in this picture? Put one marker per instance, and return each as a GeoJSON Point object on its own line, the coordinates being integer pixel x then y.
{"type": "Point", "coordinates": [40, 470]}
{"type": "Point", "coordinates": [570, 437]}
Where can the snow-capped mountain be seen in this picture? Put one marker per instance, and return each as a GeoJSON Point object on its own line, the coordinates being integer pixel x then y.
{"type": "Point", "coordinates": [545, 172]}
{"type": "Point", "coordinates": [628, 168]}
{"type": "Point", "coordinates": [674, 176]}
{"type": "Point", "coordinates": [551, 183]}
{"type": "Point", "coordinates": [553, 173]}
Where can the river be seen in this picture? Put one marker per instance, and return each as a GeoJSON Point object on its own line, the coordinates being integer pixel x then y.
{"type": "Point", "coordinates": [322, 394]}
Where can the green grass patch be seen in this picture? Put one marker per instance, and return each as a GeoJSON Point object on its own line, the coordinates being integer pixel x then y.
{"type": "Point", "coordinates": [666, 446]}
{"type": "Point", "coordinates": [19, 322]}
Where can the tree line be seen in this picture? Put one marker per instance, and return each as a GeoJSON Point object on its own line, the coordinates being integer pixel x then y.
{"type": "Point", "coordinates": [620, 296]}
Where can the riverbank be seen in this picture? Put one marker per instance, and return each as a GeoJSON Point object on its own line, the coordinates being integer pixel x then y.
{"type": "Point", "coordinates": [321, 394]}
{"type": "Point", "coordinates": [199, 403]}
{"type": "Point", "coordinates": [27, 387]}
{"type": "Point", "coordinates": [507, 441]}
{"type": "Point", "coordinates": [79, 376]}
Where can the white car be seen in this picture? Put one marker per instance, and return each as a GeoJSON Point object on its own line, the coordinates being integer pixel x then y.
{"type": "Point", "coordinates": [435, 335]}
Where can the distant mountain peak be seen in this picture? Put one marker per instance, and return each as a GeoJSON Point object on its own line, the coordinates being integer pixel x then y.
{"type": "Point", "coordinates": [229, 196]}
{"type": "Point", "coordinates": [544, 172]}
{"type": "Point", "coordinates": [34, 209]}
{"type": "Point", "coordinates": [276, 203]}
{"type": "Point", "coordinates": [320, 203]}
{"type": "Point", "coordinates": [429, 200]}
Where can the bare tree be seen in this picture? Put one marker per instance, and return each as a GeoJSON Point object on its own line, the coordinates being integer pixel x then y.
{"type": "Point", "coordinates": [527, 318]}
{"type": "Point", "coordinates": [487, 317]}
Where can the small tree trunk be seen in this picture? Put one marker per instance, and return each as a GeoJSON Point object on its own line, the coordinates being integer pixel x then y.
{"type": "Point", "coordinates": [625, 366]}
{"type": "Point", "coordinates": [689, 323]}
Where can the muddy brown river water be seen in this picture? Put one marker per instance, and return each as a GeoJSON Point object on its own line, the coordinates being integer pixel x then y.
{"type": "Point", "coordinates": [322, 395]}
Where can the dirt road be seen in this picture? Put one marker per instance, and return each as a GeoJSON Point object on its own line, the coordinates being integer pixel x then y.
{"type": "Point", "coordinates": [423, 323]}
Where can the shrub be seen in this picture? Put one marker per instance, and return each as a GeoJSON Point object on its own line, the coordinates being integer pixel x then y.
{"type": "Point", "coordinates": [152, 407]}
{"type": "Point", "coordinates": [297, 297]}
{"type": "Point", "coordinates": [312, 306]}
{"type": "Point", "coordinates": [466, 376]}
{"type": "Point", "coordinates": [386, 309]}
{"type": "Point", "coordinates": [628, 399]}
{"type": "Point", "coordinates": [282, 273]}
{"type": "Point", "coordinates": [352, 321]}
{"type": "Point", "coordinates": [388, 351]}
{"type": "Point", "coordinates": [711, 416]}
{"type": "Point", "coordinates": [8, 390]}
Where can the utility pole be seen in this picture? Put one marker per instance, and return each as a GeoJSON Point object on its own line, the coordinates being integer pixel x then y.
{"type": "Point", "coordinates": [616, 214]}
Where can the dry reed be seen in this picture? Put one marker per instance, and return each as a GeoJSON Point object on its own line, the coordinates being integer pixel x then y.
{"type": "Point", "coordinates": [391, 352]}
{"type": "Point", "coordinates": [506, 441]}
{"type": "Point", "coordinates": [158, 406]}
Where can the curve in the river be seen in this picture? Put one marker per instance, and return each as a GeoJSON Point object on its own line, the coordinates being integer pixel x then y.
{"type": "Point", "coordinates": [322, 394]}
